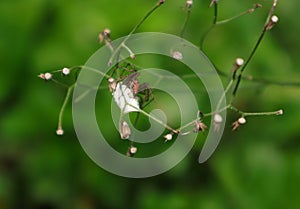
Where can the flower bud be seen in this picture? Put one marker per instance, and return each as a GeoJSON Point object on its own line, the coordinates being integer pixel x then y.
{"type": "Point", "coordinates": [279, 112]}
{"type": "Point", "coordinates": [239, 62]}
{"type": "Point", "coordinates": [189, 3]}
{"type": "Point", "coordinates": [273, 20]}
{"type": "Point", "coordinates": [65, 71]}
{"type": "Point", "coordinates": [177, 55]}
{"type": "Point", "coordinates": [48, 76]}
{"type": "Point", "coordinates": [60, 131]}
{"type": "Point", "coordinates": [218, 118]}
{"type": "Point", "coordinates": [168, 137]}
{"type": "Point", "coordinates": [241, 120]}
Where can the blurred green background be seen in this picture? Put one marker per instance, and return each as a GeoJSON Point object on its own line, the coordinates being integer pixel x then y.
{"type": "Point", "coordinates": [256, 167]}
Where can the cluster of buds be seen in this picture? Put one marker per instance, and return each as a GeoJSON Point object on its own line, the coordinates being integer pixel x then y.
{"type": "Point", "coordinates": [48, 76]}
{"type": "Point", "coordinates": [236, 124]}
{"type": "Point", "coordinates": [45, 76]}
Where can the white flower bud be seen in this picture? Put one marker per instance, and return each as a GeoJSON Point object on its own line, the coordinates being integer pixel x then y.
{"type": "Point", "coordinates": [47, 76]}
{"type": "Point", "coordinates": [133, 150]}
{"type": "Point", "coordinates": [239, 62]}
{"type": "Point", "coordinates": [242, 120]}
{"type": "Point", "coordinates": [189, 3]}
{"type": "Point", "coordinates": [274, 19]}
{"type": "Point", "coordinates": [177, 55]}
{"type": "Point", "coordinates": [218, 118]}
{"type": "Point", "coordinates": [60, 132]}
{"type": "Point", "coordinates": [279, 112]}
{"type": "Point", "coordinates": [65, 71]}
{"type": "Point", "coordinates": [168, 137]}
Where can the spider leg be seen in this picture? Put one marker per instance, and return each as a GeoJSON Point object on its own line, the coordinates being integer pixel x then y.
{"type": "Point", "coordinates": [146, 91]}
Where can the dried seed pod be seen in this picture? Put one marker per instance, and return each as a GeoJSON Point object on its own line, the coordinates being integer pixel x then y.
{"type": "Point", "coordinates": [112, 84]}
{"type": "Point", "coordinates": [125, 131]}
{"type": "Point", "coordinates": [236, 124]}
{"type": "Point", "coordinates": [199, 126]}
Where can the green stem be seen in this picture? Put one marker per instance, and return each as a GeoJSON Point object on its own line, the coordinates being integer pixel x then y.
{"type": "Point", "coordinates": [158, 121]}
{"type": "Point", "coordinates": [157, 5]}
{"type": "Point", "coordinates": [255, 47]}
{"type": "Point", "coordinates": [63, 107]}
{"type": "Point", "coordinates": [239, 15]}
{"type": "Point", "coordinates": [212, 26]}
{"type": "Point", "coordinates": [185, 23]}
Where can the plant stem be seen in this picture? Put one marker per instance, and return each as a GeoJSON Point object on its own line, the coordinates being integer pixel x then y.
{"type": "Point", "coordinates": [157, 5]}
{"type": "Point", "coordinates": [265, 28]}
{"type": "Point", "coordinates": [185, 22]}
{"type": "Point", "coordinates": [212, 26]}
{"type": "Point", "coordinates": [63, 107]}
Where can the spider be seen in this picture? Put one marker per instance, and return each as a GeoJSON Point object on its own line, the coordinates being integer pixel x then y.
{"type": "Point", "coordinates": [129, 88]}
{"type": "Point", "coordinates": [143, 91]}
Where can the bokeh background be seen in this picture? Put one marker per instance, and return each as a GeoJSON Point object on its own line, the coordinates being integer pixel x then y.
{"type": "Point", "coordinates": [257, 166]}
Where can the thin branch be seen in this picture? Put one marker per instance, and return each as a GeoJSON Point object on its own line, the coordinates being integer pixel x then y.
{"type": "Point", "coordinates": [157, 5]}
{"type": "Point", "coordinates": [215, 4]}
{"type": "Point", "coordinates": [265, 29]}
{"type": "Point", "coordinates": [187, 18]}
{"type": "Point", "coordinates": [63, 107]}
